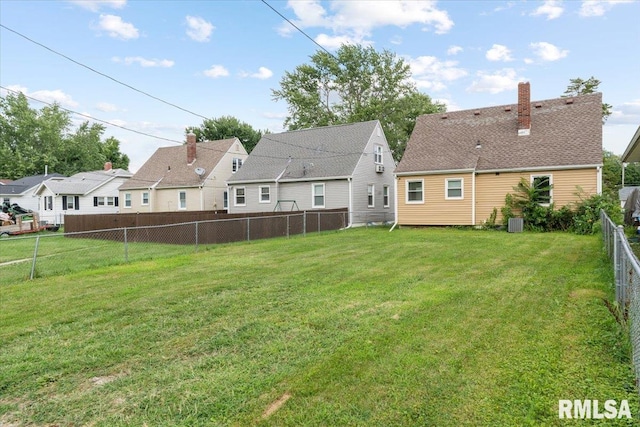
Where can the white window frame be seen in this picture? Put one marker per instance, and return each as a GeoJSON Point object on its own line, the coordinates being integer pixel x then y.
{"type": "Point", "coordinates": [48, 203]}
{"type": "Point", "coordinates": [544, 175]}
{"type": "Point", "coordinates": [236, 164]}
{"type": "Point", "coordinates": [71, 203]}
{"type": "Point", "coordinates": [371, 196]}
{"type": "Point", "coordinates": [235, 196]}
{"type": "Point", "coordinates": [314, 195]}
{"type": "Point", "coordinates": [385, 196]}
{"type": "Point", "coordinates": [377, 154]}
{"type": "Point", "coordinates": [260, 188]}
{"type": "Point", "coordinates": [142, 202]}
{"type": "Point", "coordinates": [127, 200]}
{"type": "Point", "coordinates": [225, 200]}
{"type": "Point", "coordinates": [182, 206]}
{"type": "Point", "coordinates": [447, 188]}
{"type": "Point", "coordinates": [407, 192]}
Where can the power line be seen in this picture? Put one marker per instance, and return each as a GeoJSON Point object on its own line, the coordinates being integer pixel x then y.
{"type": "Point", "coordinates": [297, 28]}
{"type": "Point", "coordinates": [102, 74]}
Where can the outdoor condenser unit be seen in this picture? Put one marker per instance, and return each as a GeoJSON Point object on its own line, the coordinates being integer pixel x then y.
{"type": "Point", "coordinates": [516, 225]}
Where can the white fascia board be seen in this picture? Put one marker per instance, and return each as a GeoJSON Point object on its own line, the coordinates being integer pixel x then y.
{"type": "Point", "coordinates": [438, 172]}
{"type": "Point", "coordinates": [541, 168]}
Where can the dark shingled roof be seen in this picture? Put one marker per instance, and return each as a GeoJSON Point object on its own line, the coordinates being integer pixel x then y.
{"type": "Point", "coordinates": [23, 184]}
{"type": "Point", "coordinates": [564, 132]}
{"type": "Point", "coordinates": [330, 151]}
{"type": "Point", "coordinates": [168, 167]}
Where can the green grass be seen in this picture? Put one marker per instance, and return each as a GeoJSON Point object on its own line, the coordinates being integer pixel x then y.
{"type": "Point", "coordinates": [363, 327]}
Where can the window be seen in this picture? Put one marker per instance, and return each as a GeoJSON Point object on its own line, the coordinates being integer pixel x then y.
{"type": "Point", "coordinates": [377, 154]}
{"type": "Point", "coordinates": [265, 197]}
{"type": "Point", "coordinates": [182, 200]}
{"type": "Point", "coordinates": [543, 185]}
{"type": "Point", "coordinates": [105, 201]}
{"type": "Point", "coordinates": [237, 163]}
{"type": "Point", "coordinates": [225, 200]}
{"type": "Point", "coordinates": [145, 198]}
{"type": "Point", "coordinates": [318, 195]}
{"type": "Point", "coordinates": [370, 193]}
{"type": "Point", "coordinates": [385, 196]}
{"type": "Point", "coordinates": [70, 203]}
{"type": "Point", "coordinates": [415, 191]}
{"type": "Point", "coordinates": [241, 199]}
{"type": "Point", "coordinates": [453, 189]}
{"type": "Point", "coordinates": [127, 200]}
{"type": "Point", "coordinates": [48, 203]}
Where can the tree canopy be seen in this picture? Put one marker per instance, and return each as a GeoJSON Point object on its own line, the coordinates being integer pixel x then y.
{"type": "Point", "coordinates": [227, 127]}
{"type": "Point", "coordinates": [356, 84]}
{"type": "Point", "coordinates": [32, 139]}
{"type": "Point", "coordinates": [579, 87]}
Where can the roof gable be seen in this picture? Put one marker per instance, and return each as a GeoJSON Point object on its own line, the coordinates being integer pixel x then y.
{"type": "Point", "coordinates": [168, 167]}
{"type": "Point", "coordinates": [564, 132]}
{"type": "Point", "coordinates": [22, 185]}
{"type": "Point", "coordinates": [330, 151]}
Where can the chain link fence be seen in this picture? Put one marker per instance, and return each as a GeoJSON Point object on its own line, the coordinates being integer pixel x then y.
{"type": "Point", "coordinates": [49, 254]}
{"type": "Point", "coordinates": [626, 269]}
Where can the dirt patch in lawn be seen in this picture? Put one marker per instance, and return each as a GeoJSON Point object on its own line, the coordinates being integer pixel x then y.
{"type": "Point", "coordinates": [276, 405]}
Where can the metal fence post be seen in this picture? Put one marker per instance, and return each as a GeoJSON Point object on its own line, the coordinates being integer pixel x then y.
{"type": "Point", "coordinates": [126, 246]}
{"type": "Point", "coordinates": [35, 256]}
{"type": "Point", "coordinates": [288, 224]}
{"type": "Point", "coordinates": [304, 223]}
{"type": "Point", "coordinates": [248, 229]}
{"type": "Point", "coordinates": [318, 221]}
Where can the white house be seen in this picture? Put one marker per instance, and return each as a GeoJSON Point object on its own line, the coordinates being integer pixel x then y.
{"type": "Point", "coordinates": [22, 191]}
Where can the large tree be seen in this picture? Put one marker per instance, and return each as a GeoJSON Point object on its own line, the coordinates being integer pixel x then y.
{"type": "Point", "coordinates": [579, 87]}
{"type": "Point", "coordinates": [32, 139]}
{"type": "Point", "coordinates": [227, 127]}
{"type": "Point", "coordinates": [356, 84]}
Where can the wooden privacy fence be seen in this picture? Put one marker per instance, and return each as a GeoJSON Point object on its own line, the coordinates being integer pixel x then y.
{"type": "Point", "coordinates": [189, 228]}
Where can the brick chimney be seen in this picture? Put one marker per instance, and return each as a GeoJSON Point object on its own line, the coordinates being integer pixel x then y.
{"type": "Point", "coordinates": [524, 108]}
{"type": "Point", "coordinates": [108, 166]}
{"type": "Point", "coordinates": [191, 148]}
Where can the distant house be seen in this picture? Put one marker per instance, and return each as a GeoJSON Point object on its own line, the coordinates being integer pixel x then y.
{"type": "Point", "coordinates": [21, 191]}
{"type": "Point", "coordinates": [84, 193]}
{"type": "Point", "coordinates": [460, 165]}
{"type": "Point", "coordinates": [190, 177]}
{"type": "Point", "coordinates": [346, 166]}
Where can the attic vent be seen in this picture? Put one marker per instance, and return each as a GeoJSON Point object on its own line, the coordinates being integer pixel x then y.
{"type": "Point", "coordinates": [444, 116]}
{"type": "Point", "coordinates": [476, 113]}
{"type": "Point", "coordinates": [569, 101]}
{"type": "Point", "coordinates": [507, 108]}
{"type": "Point", "coordinates": [538, 105]}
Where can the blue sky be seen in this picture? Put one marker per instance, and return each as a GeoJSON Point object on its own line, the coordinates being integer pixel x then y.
{"type": "Point", "coordinates": [215, 58]}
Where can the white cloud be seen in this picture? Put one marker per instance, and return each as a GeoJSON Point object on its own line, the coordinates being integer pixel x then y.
{"type": "Point", "coordinates": [547, 52]}
{"type": "Point", "coordinates": [216, 71]}
{"type": "Point", "coordinates": [117, 28]}
{"type": "Point", "coordinates": [48, 96]}
{"type": "Point", "coordinates": [454, 50]}
{"type": "Point", "coordinates": [496, 82]}
{"type": "Point", "coordinates": [552, 9]}
{"type": "Point", "coordinates": [428, 72]}
{"type": "Point", "coordinates": [334, 42]}
{"type": "Point", "coordinates": [106, 107]}
{"type": "Point", "coordinates": [355, 20]}
{"type": "Point", "coordinates": [199, 29]}
{"type": "Point", "coordinates": [397, 40]}
{"type": "Point", "coordinates": [143, 62]}
{"type": "Point", "coordinates": [591, 8]}
{"type": "Point", "coordinates": [499, 52]}
{"type": "Point", "coordinates": [627, 113]}
{"type": "Point", "coordinates": [262, 74]}
{"type": "Point", "coordinates": [96, 5]}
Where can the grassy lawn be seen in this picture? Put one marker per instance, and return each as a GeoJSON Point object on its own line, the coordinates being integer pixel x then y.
{"type": "Point", "coordinates": [363, 327]}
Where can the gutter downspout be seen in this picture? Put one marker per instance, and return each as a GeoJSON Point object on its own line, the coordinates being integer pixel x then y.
{"type": "Point", "coordinates": [599, 180]}
{"type": "Point", "coordinates": [473, 192]}
{"type": "Point", "coordinates": [350, 181]}
{"type": "Point", "coordinates": [395, 205]}
{"type": "Point", "coordinates": [278, 179]}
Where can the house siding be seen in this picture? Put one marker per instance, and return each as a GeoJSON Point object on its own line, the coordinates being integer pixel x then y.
{"type": "Point", "coordinates": [490, 189]}
{"type": "Point", "coordinates": [435, 209]}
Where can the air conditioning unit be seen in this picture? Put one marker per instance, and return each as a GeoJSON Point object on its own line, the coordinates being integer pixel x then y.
{"type": "Point", "coordinates": [379, 168]}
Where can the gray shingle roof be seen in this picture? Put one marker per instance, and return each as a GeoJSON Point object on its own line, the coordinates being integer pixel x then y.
{"type": "Point", "coordinates": [168, 166]}
{"type": "Point", "coordinates": [84, 182]}
{"type": "Point", "coordinates": [21, 185]}
{"type": "Point", "coordinates": [300, 155]}
{"type": "Point", "coordinates": [562, 134]}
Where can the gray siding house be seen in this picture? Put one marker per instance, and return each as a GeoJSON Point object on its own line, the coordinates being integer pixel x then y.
{"type": "Point", "coordinates": [345, 166]}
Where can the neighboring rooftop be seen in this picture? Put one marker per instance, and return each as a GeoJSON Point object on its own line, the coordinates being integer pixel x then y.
{"type": "Point", "coordinates": [21, 185]}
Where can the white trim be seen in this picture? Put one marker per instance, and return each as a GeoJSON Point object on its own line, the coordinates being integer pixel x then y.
{"type": "Point", "coordinates": [532, 177]}
{"type": "Point", "coordinates": [373, 196]}
{"type": "Point", "coordinates": [313, 195]}
{"type": "Point", "coordinates": [375, 154]}
{"type": "Point", "coordinates": [406, 192]}
{"type": "Point", "coordinates": [260, 187]}
{"type": "Point", "coordinates": [125, 201]}
{"type": "Point", "coordinates": [182, 208]}
{"type": "Point", "coordinates": [518, 170]}
{"type": "Point", "coordinates": [290, 180]}
{"type": "Point", "coordinates": [388, 204]}
{"type": "Point", "coordinates": [599, 179]}
{"type": "Point", "coordinates": [446, 188]}
{"type": "Point", "coordinates": [235, 196]}
{"type": "Point", "coordinates": [441, 172]}
{"type": "Point", "coordinates": [473, 198]}
{"type": "Point", "coordinates": [350, 182]}
{"type": "Point", "coordinates": [148, 193]}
